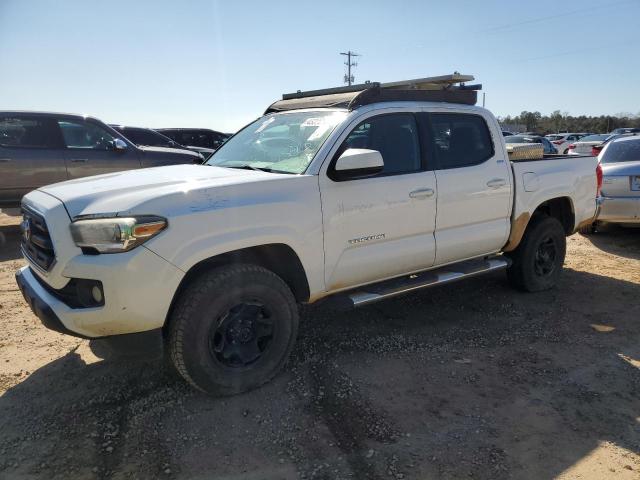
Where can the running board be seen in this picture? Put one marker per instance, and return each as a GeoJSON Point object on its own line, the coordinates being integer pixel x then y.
{"type": "Point", "coordinates": [430, 278]}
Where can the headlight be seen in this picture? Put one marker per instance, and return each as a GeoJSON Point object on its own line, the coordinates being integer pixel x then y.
{"type": "Point", "coordinates": [118, 234]}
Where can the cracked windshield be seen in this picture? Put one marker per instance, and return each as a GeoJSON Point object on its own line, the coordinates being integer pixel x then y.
{"type": "Point", "coordinates": [281, 143]}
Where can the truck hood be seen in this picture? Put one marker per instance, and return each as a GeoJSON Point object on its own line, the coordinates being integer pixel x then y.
{"type": "Point", "coordinates": [134, 189]}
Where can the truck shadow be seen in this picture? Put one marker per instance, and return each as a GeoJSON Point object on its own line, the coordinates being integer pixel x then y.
{"type": "Point", "coordinates": [9, 242]}
{"type": "Point", "coordinates": [624, 242]}
{"type": "Point", "coordinates": [487, 381]}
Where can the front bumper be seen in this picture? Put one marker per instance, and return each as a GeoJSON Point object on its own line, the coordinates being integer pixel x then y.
{"type": "Point", "coordinates": [138, 289]}
{"type": "Point", "coordinates": [619, 210]}
{"type": "Point", "coordinates": [138, 286]}
{"type": "Point", "coordinates": [36, 296]}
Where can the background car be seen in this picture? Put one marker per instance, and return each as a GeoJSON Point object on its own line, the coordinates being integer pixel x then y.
{"type": "Point", "coordinates": [40, 148]}
{"type": "Point", "coordinates": [596, 149]}
{"type": "Point", "coordinates": [548, 146]}
{"type": "Point", "coordinates": [506, 134]}
{"type": "Point", "coordinates": [618, 131]}
{"type": "Point", "coordinates": [201, 140]}
{"type": "Point", "coordinates": [562, 141]}
{"type": "Point", "coordinates": [620, 193]}
{"type": "Point", "coordinates": [147, 137]}
{"type": "Point", "coordinates": [585, 145]}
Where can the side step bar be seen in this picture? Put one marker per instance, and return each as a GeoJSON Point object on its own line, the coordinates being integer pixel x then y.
{"type": "Point", "coordinates": [430, 278]}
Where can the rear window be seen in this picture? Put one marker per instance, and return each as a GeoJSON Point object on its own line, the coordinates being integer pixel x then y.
{"type": "Point", "coordinates": [622, 151]}
{"type": "Point", "coordinates": [594, 138]}
{"type": "Point", "coordinates": [555, 137]}
{"type": "Point", "coordinates": [460, 139]}
{"type": "Point", "coordinates": [140, 136]}
{"type": "Point", "coordinates": [25, 132]}
{"type": "Point", "coordinates": [196, 138]}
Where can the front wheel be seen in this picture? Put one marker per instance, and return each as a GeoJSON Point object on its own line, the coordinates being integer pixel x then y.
{"type": "Point", "coordinates": [537, 262]}
{"type": "Point", "coordinates": [232, 329]}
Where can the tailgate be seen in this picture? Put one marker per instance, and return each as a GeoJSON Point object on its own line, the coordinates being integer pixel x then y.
{"type": "Point", "coordinates": [621, 179]}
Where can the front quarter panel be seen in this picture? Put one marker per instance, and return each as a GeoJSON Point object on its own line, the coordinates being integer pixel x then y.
{"type": "Point", "coordinates": [204, 223]}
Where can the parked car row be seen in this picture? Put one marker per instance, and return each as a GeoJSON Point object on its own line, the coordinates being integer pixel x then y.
{"type": "Point", "coordinates": [562, 141]}
{"type": "Point", "coordinates": [593, 144]}
{"type": "Point", "coordinates": [40, 148]}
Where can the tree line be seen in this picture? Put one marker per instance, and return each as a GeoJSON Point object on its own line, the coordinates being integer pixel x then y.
{"type": "Point", "coordinates": [563, 122]}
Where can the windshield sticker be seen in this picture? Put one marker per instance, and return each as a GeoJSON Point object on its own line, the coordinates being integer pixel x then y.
{"type": "Point", "coordinates": [312, 122]}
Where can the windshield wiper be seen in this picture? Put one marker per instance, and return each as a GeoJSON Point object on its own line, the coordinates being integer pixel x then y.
{"type": "Point", "coordinates": [246, 166]}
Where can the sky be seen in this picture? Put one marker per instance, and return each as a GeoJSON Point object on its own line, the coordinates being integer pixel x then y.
{"type": "Point", "coordinates": [219, 64]}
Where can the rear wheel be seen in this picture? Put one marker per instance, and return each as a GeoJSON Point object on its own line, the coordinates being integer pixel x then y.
{"type": "Point", "coordinates": [232, 329]}
{"type": "Point", "coordinates": [537, 262]}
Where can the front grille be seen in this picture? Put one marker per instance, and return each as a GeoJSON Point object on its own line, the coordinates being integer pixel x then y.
{"type": "Point", "coordinates": [36, 243]}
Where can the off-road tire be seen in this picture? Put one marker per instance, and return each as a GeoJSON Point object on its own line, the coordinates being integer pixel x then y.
{"type": "Point", "coordinates": [199, 309]}
{"type": "Point", "coordinates": [524, 273]}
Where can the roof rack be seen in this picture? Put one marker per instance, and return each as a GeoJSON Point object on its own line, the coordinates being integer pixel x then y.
{"type": "Point", "coordinates": [443, 88]}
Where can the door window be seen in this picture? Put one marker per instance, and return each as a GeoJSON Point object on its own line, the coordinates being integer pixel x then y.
{"type": "Point", "coordinates": [85, 136]}
{"type": "Point", "coordinates": [460, 140]}
{"type": "Point", "coordinates": [394, 136]}
{"type": "Point", "coordinates": [27, 132]}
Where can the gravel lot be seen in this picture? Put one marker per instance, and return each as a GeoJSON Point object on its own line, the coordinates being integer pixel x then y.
{"type": "Point", "coordinates": [472, 380]}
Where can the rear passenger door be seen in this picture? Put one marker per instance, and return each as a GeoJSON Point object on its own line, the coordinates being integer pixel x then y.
{"type": "Point", "coordinates": [90, 149]}
{"type": "Point", "coordinates": [474, 186]}
{"type": "Point", "coordinates": [31, 155]}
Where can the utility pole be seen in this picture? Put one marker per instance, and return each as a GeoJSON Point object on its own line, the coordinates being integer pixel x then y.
{"type": "Point", "coordinates": [483, 98]}
{"type": "Point", "coordinates": [349, 78]}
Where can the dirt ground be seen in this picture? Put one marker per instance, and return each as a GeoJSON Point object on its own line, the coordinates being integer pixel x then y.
{"type": "Point", "coordinates": [471, 380]}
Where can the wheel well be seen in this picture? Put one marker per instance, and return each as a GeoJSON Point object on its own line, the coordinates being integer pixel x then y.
{"type": "Point", "coordinates": [561, 209]}
{"type": "Point", "coordinates": [277, 257]}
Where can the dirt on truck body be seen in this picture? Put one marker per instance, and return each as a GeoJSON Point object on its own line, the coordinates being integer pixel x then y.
{"type": "Point", "coordinates": [470, 381]}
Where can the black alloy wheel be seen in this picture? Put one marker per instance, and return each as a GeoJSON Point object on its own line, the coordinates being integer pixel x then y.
{"type": "Point", "coordinates": [242, 335]}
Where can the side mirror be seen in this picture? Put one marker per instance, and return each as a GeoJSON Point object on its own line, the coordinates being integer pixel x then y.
{"type": "Point", "coordinates": [119, 144]}
{"type": "Point", "coordinates": [358, 163]}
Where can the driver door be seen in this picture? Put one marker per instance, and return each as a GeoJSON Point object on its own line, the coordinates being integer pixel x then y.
{"type": "Point", "coordinates": [382, 225]}
{"type": "Point", "coordinates": [89, 150]}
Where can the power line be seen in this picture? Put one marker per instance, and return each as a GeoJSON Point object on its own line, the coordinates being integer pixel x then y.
{"type": "Point", "coordinates": [349, 78]}
{"type": "Point", "coordinates": [555, 15]}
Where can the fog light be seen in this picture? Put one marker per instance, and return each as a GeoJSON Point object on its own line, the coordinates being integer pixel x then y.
{"type": "Point", "coordinates": [96, 293]}
{"type": "Point", "coordinates": [89, 293]}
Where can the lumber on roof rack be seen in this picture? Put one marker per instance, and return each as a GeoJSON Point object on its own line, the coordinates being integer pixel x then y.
{"type": "Point", "coordinates": [443, 88]}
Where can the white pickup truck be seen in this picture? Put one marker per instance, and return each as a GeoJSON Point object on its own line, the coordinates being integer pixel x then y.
{"type": "Point", "coordinates": [354, 194]}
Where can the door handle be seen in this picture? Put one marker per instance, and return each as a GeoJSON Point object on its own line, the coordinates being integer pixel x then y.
{"type": "Point", "coordinates": [79, 160]}
{"type": "Point", "coordinates": [422, 193]}
{"type": "Point", "coordinates": [5, 160]}
{"type": "Point", "coordinates": [496, 183]}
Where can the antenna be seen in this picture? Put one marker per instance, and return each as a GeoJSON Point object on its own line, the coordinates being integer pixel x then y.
{"type": "Point", "coordinates": [349, 78]}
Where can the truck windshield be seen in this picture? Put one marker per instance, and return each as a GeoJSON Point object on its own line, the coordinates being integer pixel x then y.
{"type": "Point", "coordinates": [281, 142]}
